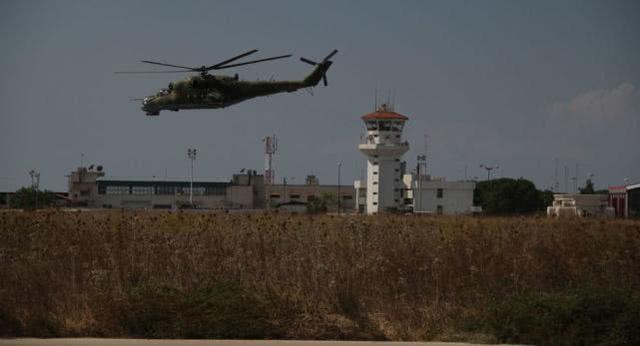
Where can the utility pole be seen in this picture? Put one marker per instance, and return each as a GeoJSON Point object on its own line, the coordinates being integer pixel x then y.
{"type": "Point", "coordinates": [489, 169]}
{"type": "Point", "coordinates": [421, 170]}
{"type": "Point", "coordinates": [339, 199]}
{"type": "Point", "coordinates": [556, 182]}
{"type": "Point", "coordinates": [35, 183]}
{"type": "Point", "coordinates": [191, 153]}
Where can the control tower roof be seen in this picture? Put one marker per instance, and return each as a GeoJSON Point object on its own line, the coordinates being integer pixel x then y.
{"type": "Point", "coordinates": [384, 112]}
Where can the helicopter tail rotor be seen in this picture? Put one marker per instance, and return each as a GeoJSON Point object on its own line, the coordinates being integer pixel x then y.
{"type": "Point", "coordinates": [322, 66]}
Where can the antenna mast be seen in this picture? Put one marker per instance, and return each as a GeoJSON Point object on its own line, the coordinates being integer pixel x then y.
{"type": "Point", "coordinates": [270, 148]}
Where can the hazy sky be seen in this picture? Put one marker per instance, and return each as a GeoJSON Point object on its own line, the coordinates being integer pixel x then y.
{"type": "Point", "coordinates": [514, 83]}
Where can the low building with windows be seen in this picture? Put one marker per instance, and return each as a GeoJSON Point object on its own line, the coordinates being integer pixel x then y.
{"type": "Point", "coordinates": [291, 196]}
{"type": "Point", "coordinates": [428, 195]}
{"type": "Point", "coordinates": [579, 205]}
{"type": "Point", "coordinates": [625, 200]}
{"type": "Point", "coordinates": [92, 189]}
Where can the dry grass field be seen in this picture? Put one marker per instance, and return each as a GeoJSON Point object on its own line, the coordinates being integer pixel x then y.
{"type": "Point", "coordinates": [182, 275]}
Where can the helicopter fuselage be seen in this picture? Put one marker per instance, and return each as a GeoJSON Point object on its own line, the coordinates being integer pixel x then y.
{"type": "Point", "coordinates": [209, 91]}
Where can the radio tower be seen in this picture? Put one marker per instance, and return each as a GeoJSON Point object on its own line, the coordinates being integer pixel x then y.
{"type": "Point", "coordinates": [270, 147]}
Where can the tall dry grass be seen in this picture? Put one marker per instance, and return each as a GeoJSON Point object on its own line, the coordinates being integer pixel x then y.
{"type": "Point", "coordinates": [392, 277]}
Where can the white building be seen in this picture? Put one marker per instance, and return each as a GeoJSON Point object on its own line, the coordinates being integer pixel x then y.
{"type": "Point", "coordinates": [437, 196]}
{"type": "Point", "coordinates": [384, 147]}
{"type": "Point", "coordinates": [572, 205]}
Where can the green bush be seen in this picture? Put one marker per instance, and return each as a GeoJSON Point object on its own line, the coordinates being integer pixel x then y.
{"type": "Point", "coordinates": [222, 310]}
{"type": "Point", "coordinates": [9, 325]}
{"type": "Point", "coordinates": [31, 198]}
{"type": "Point", "coordinates": [578, 317]}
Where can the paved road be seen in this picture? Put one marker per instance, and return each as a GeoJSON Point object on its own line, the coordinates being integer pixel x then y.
{"type": "Point", "coordinates": [146, 342]}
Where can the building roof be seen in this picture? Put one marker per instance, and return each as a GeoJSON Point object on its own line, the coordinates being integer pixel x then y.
{"type": "Point", "coordinates": [633, 187]}
{"type": "Point", "coordinates": [132, 182]}
{"type": "Point", "coordinates": [384, 112]}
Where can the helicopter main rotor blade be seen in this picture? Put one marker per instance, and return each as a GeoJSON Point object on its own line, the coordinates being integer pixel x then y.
{"type": "Point", "coordinates": [324, 79]}
{"type": "Point", "coordinates": [146, 72]}
{"type": "Point", "coordinates": [253, 62]}
{"type": "Point", "coordinates": [163, 64]}
{"type": "Point", "coordinates": [330, 55]}
{"type": "Point", "coordinates": [213, 67]}
{"type": "Point", "coordinates": [310, 62]}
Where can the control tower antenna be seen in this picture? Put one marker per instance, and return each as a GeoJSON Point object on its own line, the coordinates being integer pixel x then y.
{"type": "Point", "coordinates": [270, 148]}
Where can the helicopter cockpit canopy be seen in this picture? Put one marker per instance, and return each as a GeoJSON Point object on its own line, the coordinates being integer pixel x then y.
{"type": "Point", "coordinates": [163, 92]}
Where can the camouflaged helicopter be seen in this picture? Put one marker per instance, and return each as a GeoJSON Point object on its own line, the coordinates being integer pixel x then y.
{"type": "Point", "coordinates": [205, 91]}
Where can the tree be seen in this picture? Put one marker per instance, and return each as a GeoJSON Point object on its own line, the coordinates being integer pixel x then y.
{"type": "Point", "coordinates": [321, 204]}
{"type": "Point", "coordinates": [510, 196]}
{"type": "Point", "coordinates": [31, 198]}
{"type": "Point", "coordinates": [588, 188]}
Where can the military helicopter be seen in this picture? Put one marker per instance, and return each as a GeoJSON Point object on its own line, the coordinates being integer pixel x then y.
{"type": "Point", "coordinates": [206, 91]}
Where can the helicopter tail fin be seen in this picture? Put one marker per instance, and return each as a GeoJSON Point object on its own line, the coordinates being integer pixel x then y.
{"type": "Point", "coordinates": [320, 72]}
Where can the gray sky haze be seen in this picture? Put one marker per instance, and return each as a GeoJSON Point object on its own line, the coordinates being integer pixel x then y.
{"type": "Point", "coordinates": [514, 83]}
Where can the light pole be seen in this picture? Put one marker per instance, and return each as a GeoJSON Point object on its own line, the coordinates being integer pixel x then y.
{"type": "Point", "coordinates": [417, 195]}
{"type": "Point", "coordinates": [489, 169]}
{"type": "Point", "coordinates": [35, 183]}
{"type": "Point", "coordinates": [191, 153]}
{"type": "Point", "coordinates": [339, 199]}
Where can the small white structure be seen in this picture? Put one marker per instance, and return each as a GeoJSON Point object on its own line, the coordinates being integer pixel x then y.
{"type": "Point", "coordinates": [438, 196]}
{"type": "Point", "coordinates": [384, 147]}
{"type": "Point", "coordinates": [579, 205]}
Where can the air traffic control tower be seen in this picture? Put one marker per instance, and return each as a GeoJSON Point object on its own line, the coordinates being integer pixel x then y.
{"type": "Point", "coordinates": [384, 147]}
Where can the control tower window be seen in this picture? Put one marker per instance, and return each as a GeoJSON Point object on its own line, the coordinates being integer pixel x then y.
{"type": "Point", "coordinates": [372, 125]}
{"type": "Point", "coordinates": [397, 126]}
{"type": "Point", "coordinates": [385, 125]}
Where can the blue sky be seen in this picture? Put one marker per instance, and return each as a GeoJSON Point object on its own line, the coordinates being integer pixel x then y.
{"type": "Point", "coordinates": [514, 83]}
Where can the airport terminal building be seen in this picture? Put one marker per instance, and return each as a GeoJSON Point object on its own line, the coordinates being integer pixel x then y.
{"type": "Point", "coordinates": [89, 188]}
{"type": "Point", "coordinates": [246, 191]}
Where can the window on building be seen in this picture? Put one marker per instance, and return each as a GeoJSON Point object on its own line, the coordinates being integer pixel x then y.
{"type": "Point", "coordinates": [375, 163]}
{"type": "Point", "coordinates": [372, 125]}
{"type": "Point", "coordinates": [347, 197]}
{"type": "Point", "coordinates": [439, 193]}
{"type": "Point", "coordinates": [375, 193]}
{"type": "Point", "coordinates": [294, 196]}
{"type": "Point", "coordinates": [197, 191]}
{"type": "Point", "coordinates": [117, 190]}
{"type": "Point", "coordinates": [375, 203]}
{"type": "Point", "coordinates": [274, 195]}
{"type": "Point", "coordinates": [439, 210]}
{"type": "Point", "coordinates": [142, 190]}
{"type": "Point", "coordinates": [165, 190]}
{"type": "Point", "coordinates": [384, 125]}
{"type": "Point", "coordinates": [375, 173]}
{"type": "Point", "coordinates": [375, 183]}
